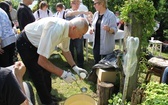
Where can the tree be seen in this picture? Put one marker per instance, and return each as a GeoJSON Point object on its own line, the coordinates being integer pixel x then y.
{"type": "Point", "coordinates": [138, 16]}
{"type": "Point", "coordinates": [161, 16]}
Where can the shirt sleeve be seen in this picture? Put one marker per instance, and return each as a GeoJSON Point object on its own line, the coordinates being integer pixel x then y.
{"type": "Point", "coordinates": [113, 23]}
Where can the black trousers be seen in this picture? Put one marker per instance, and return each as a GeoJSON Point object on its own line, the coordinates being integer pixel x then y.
{"type": "Point", "coordinates": [40, 77]}
{"type": "Point", "coordinates": [6, 59]}
{"type": "Point", "coordinates": [96, 54]}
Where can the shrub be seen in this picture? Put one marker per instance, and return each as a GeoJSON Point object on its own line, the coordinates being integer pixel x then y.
{"type": "Point", "coordinates": [156, 94]}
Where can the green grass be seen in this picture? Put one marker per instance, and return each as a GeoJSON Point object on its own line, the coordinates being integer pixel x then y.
{"type": "Point", "coordinates": [65, 90]}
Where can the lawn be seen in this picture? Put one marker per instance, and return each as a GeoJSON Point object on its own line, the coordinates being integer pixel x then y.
{"type": "Point", "coordinates": [65, 90]}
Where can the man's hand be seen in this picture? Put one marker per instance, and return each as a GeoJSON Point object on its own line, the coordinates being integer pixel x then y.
{"type": "Point", "coordinates": [79, 70]}
{"type": "Point", "coordinates": [68, 77]}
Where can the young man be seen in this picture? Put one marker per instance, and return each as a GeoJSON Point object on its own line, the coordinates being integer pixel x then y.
{"type": "Point", "coordinates": [37, 43]}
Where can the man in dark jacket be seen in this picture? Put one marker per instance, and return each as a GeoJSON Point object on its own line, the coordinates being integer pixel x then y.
{"type": "Point", "coordinates": [24, 14]}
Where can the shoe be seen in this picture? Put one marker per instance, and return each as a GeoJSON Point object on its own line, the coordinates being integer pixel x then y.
{"type": "Point", "coordinates": [56, 99]}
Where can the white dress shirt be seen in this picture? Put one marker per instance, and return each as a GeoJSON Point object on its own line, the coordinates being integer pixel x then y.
{"type": "Point", "coordinates": [47, 33]}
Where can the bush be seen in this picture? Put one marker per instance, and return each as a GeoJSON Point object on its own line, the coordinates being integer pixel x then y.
{"type": "Point", "coordinates": [117, 100]}
{"type": "Point", "coordinates": [156, 94]}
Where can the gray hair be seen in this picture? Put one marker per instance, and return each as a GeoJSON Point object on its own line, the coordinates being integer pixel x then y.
{"type": "Point", "coordinates": [80, 23]}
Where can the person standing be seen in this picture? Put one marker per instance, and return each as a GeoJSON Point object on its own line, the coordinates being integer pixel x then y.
{"type": "Point", "coordinates": [104, 26]}
{"type": "Point", "coordinates": [43, 11]}
{"type": "Point", "coordinates": [7, 40]}
{"type": "Point", "coordinates": [60, 11]}
{"type": "Point", "coordinates": [24, 14]}
{"type": "Point", "coordinates": [13, 12]}
{"type": "Point", "coordinates": [6, 7]}
{"type": "Point", "coordinates": [36, 44]}
{"type": "Point", "coordinates": [76, 44]}
{"type": "Point", "coordinates": [13, 15]}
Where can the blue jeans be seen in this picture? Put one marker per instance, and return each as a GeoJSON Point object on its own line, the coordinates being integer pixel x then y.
{"type": "Point", "coordinates": [165, 76]}
{"type": "Point", "coordinates": [77, 45]}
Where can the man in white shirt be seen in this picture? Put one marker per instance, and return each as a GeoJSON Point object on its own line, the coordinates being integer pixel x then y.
{"type": "Point", "coordinates": [38, 42]}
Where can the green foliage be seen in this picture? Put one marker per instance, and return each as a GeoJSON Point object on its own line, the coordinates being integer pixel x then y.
{"type": "Point", "coordinates": [143, 11]}
{"type": "Point", "coordinates": [117, 100]}
{"type": "Point", "coordinates": [15, 4]}
{"type": "Point", "coordinates": [143, 64]}
{"type": "Point", "coordinates": [162, 15]}
{"type": "Point", "coordinates": [115, 5]}
{"type": "Point", "coordinates": [156, 94]}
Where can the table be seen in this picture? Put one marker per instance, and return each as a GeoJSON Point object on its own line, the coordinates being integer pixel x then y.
{"type": "Point", "coordinates": [156, 46]}
{"type": "Point", "coordinates": [119, 36]}
{"type": "Point", "coordinates": [157, 68]}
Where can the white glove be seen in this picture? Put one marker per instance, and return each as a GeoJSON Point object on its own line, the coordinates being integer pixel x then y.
{"type": "Point", "coordinates": [81, 72]}
{"type": "Point", "coordinates": [68, 77]}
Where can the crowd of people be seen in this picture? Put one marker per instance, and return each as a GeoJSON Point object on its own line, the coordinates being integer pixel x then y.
{"type": "Point", "coordinates": [43, 31]}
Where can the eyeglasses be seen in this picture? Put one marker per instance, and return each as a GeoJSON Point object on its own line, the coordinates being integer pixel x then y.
{"type": "Point", "coordinates": [96, 3]}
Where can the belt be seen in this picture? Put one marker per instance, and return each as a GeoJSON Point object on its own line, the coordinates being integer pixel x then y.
{"type": "Point", "coordinates": [25, 36]}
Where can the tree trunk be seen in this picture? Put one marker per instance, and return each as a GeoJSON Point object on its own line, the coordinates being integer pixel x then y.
{"type": "Point", "coordinates": [104, 92]}
{"type": "Point", "coordinates": [134, 29]}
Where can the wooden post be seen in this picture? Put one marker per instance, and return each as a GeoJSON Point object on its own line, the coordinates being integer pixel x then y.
{"type": "Point", "coordinates": [134, 29]}
{"type": "Point", "coordinates": [104, 92]}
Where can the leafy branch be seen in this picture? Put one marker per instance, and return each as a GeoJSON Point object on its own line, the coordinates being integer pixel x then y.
{"type": "Point", "coordinates": [143, 11]}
